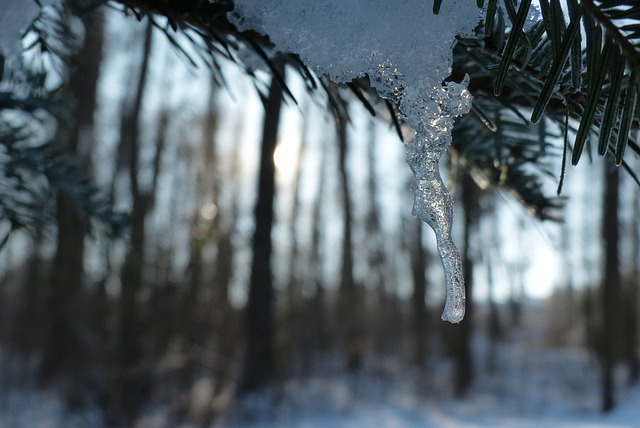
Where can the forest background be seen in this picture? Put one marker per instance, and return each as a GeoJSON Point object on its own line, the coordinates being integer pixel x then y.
{"type": "Point", "coordinates": [120, 319]}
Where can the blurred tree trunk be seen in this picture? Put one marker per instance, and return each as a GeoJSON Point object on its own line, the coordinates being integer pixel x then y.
{"type": "Point", "coordinates": [27, 329]}
{"type": "Point", "coordinates": [589, 301]}
{"type": "Point", "coordinates": [131, 275]}
{"type": "Point", "coordinates": [461, 333]}
{"type": "Point", "coordinates": [259, 364]}
{"type": "Point", "coordinates": [418, 270]}
{"type": "Point", "coordinates": [385, 324]}
{"type": "Point", "coordinates": [631, 299]}
{"type": "Point", "coordinates": [516, 279]}
{"type": "Point", "coordinates": [293, 280]}
{"type": "Point", "coordinates": [316, 258]}
{"type": "Point", "coordinates": [610, 297]}
{"type": "Point", "coordinates": [163, 298]}
{"type": "Point", "coordinates": [296, 336]}
{"type": "Point", "coordinates": [223, 318]}
{"type": "Point", "coordinates": [567, 279]}
{"type": "Point", "coordinates": [205, 223]}
{"type": "Point", "coordinates": [131, 389]}
{"type": "Point", "coordinates": [494, 327]}
{"type": "Point", "coordinates": [223, 269]}
{"type": "Point", "coordinates": [350, 305]}
{"type": "Point", "coordinates": [31, 316]}
{"type": "Point", "coordinates": [67, 346]}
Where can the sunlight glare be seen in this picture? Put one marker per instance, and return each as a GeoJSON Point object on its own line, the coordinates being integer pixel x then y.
{"type": "Point", "coordinates": [284, 159]}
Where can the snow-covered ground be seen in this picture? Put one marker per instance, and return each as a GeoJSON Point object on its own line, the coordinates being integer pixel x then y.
{"type": "Point", "coordinates": [544, 388]}
{"type": "Point", "coordinates": [520, 383]}
{"type": "Point", "coordinates": [336, 405]}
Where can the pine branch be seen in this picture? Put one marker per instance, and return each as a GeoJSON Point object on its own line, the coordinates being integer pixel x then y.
{"type": "Point", "coordinates": [33, 173]}
{"type": "Point", "coordinates": [629, 50]}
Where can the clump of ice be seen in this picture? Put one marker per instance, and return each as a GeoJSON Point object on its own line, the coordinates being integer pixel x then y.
{"type": "Point", "coordinates": [15, 19]}
{"type": "Point", "coordinates": [406, 51]}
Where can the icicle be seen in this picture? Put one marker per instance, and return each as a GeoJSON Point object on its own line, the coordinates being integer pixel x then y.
{"type": "Point", "coordinates": [433, 205]}
{"type": "Point", "coordinates": [432, 202]}
{"type": "Point", "coordinates": [431, 114]}
{"type": "Point", "coordinates": [406, 61]}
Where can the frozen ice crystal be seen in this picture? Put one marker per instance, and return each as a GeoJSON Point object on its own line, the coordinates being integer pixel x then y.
{"type": "Point", "coordinates": [407, 53]}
